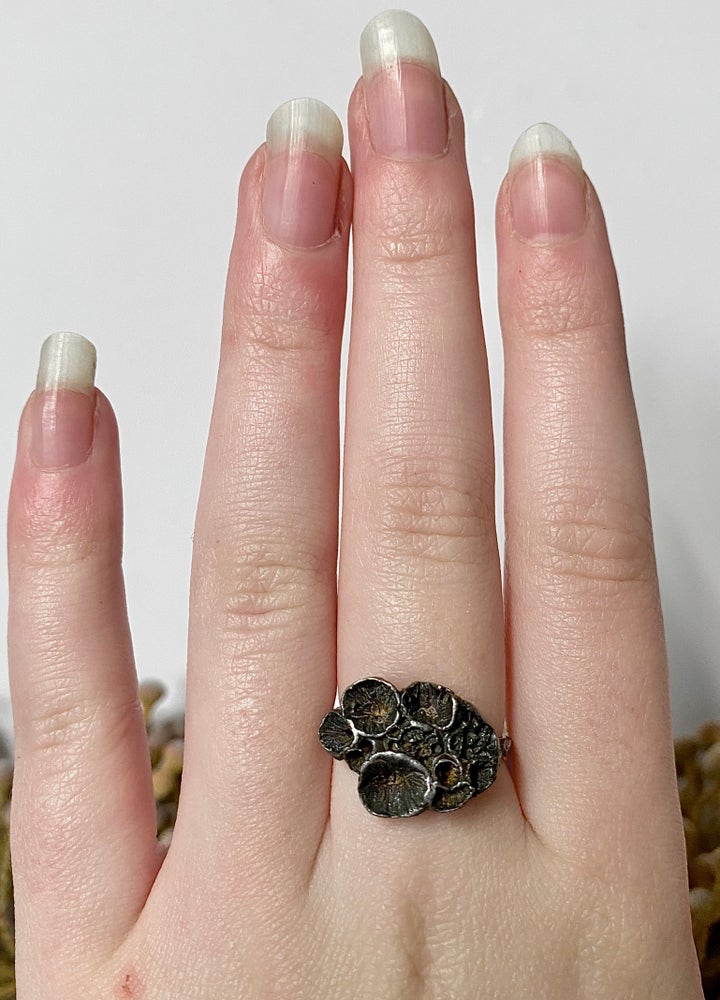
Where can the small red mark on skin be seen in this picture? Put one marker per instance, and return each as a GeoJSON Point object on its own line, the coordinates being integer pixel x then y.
{"type": "Point", "coordinates": [129, 987]}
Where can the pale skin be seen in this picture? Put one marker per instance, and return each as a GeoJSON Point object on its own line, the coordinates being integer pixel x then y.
{"type": "Point", "coordinates": [566, 878]}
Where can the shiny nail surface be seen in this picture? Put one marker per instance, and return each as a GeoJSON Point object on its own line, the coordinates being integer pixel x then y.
{"type": "Point", "coordinates": [547, 186]}
{"type": "Point", "coordinates": [404, 93]}
{"type": "Point", "coordinates": [64, 401]}
{"type": "Point", "coordinates": [302, 173]}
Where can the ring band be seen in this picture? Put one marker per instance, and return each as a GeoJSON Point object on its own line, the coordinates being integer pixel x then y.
{"type": "Point", "coordinates": [414, 749]}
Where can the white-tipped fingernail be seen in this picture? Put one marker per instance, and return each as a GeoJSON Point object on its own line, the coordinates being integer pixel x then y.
{"type": "Point", "coordinates": [302, 174]}
{"type": "Point", "coordinates": [404, 93]}
{"type": "Point", "coordinates": [64, 404]}
{"type": "Point", "coordinates": [393, 36]}
{"type": "Point", "coordinates": [305, 124]}
{"type": "Point", "coordinates": [548, 196]}
{"type": "Point", "coordinates": [67, 361]}
{"type": "Point", "coordinates": [543, 139]}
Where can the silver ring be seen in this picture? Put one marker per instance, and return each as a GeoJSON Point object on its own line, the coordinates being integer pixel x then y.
{"type": "Point", "coordinates": [421, 747]}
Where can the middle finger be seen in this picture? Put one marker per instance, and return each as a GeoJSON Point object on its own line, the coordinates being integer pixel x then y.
{"type": "Point", "coordinates": [419, 587]}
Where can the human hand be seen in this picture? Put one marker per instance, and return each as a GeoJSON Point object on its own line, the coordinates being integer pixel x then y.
{"type": "Point", "coordinates": [278, 884]}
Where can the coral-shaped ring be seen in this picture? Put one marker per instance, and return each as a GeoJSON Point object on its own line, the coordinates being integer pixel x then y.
{"type": "Point", "coordinates": [415, 749]}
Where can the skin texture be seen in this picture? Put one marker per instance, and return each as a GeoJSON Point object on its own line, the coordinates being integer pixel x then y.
{"type": "Point", "coordinates": [567, 878]}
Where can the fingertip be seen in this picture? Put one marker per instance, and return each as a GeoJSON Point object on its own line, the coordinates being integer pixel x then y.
{"type": "Point", "coordinates": [105, 435]}
{"type": "Point", "coordinates": [503, 203]}
{"type": "Point", "coordinates": [545, 199]}
{"type": "Point", "coordinates": [49, 508]}
{"type": "Point", "coordinates": [297, 199]}
{"type": "Point", "coordinates": [281, 249]}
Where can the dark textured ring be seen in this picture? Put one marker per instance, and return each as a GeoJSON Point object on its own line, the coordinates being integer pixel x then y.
{"type": "Point", "coordinates": [415, 749]}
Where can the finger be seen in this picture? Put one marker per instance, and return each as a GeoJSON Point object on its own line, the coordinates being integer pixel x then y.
{"type": "Point", "coordinates": [419, 588]}
{"type": "Point", "coordinates": [83, 813]}
{"type": "Point", "coordinates": [589, 707]}
{"type": "Point", "coordinates": [261, 667]}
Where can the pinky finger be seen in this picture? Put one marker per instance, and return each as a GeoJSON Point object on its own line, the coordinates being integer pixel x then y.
{"type": "Point", "coordinates": [83, 819]}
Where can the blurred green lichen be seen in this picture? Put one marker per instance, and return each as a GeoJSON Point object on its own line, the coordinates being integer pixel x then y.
{"type": "Point", "coordinates": [697, 760]}
{"type": "Point", "coordinates": [7, 922]}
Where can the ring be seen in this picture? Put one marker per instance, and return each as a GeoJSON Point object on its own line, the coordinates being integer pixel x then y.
{"type": "Point", "coordinates": [418, 748]}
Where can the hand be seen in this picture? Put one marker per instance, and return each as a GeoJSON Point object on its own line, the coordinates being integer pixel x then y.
{"type": "Point", "coordinates": [566, 878]}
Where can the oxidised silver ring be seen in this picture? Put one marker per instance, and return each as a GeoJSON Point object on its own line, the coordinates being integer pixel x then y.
{"type": "Point", "coordinates": [419, 748]}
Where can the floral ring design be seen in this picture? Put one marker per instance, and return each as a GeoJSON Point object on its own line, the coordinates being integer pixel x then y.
{"type": "Point", "coordinates": [418, 748]}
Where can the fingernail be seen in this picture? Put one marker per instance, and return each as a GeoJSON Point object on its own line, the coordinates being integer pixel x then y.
{"type": "Point", "coordinates": [64, 402]}
{"type": "Point", "coordinates": [404, 93]}
{"type": "Point", "coordinates": [547, 186]}
{"type": "Point", "coordinates": [302, 173]}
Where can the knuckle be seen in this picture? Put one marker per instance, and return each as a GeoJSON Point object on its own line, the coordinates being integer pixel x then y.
{"type": "Point", "coordinates": [413, 245]}
{"type": "Point", "coordinates": [268, 586]}
{"type": "Point", "coordinates": [70, 715]}
{"type": "Point", "coordinates": [417, 225]}
{"type": "Point", "coordinates": [560, 301]}
{"type": "Point", "coordinates": [63, 725]}
{"type": "Point", "coordinates": [434, 513]}
{"type": "Point", "coordinates": [272, 313]}
{"type": "Point", "coordinates": [63, 742]}
{"type": "Point", "coordinates": [58, 526]}
{"type": "Point", "coordinates": [67, 723]}
{"type": "Point", "coordinates": [592, 543]}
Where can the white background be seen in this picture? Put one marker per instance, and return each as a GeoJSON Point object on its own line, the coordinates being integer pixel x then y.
{"type": "Point", "coordinates": [123, 131]}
